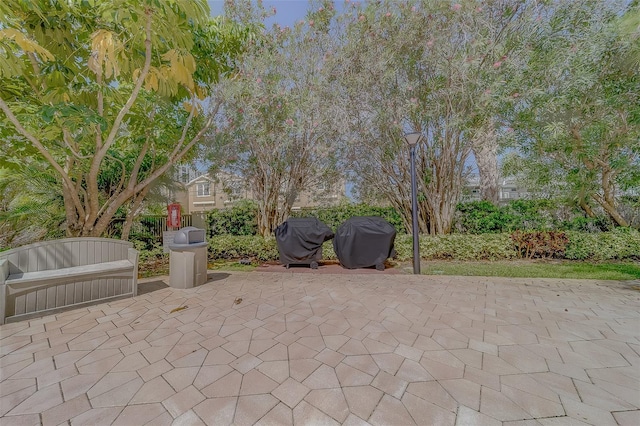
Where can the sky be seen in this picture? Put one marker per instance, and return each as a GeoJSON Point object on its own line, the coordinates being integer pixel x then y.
{"type": "Point", "coordinates": [287, 11]}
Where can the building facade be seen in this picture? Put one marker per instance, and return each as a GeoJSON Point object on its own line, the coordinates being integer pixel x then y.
{"type": "Point", "coordinates": [207, 192]}
{"type": "Point", "coordinates": [508, 190]}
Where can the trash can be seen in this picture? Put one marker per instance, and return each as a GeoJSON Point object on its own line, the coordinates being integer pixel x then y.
{"type": "Point", "coordinates": [364, 241]}
{"type": "Point", "coordinates": [188, 258]}
{"type": "Point", "coordinates": [300, 241]}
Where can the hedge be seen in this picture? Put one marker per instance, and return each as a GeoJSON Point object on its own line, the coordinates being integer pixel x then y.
{"type": "Point", "coordinates": [476, 217]}
{"type": "Point", "coordinates": [336, 215]}
{"type": "Point", "coordinates": [241, 219]}
{"type": "Point", "coordinates": [619, 244]}
{"type": "Point", "coordinates": [235, 247]}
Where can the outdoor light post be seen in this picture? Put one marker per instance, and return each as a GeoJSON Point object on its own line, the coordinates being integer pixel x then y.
{"type": "Point", "coordinates": [413, 139]}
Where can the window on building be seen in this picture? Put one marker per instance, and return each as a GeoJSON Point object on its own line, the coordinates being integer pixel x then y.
{"type": "Point", "coordinates": [203, 189]}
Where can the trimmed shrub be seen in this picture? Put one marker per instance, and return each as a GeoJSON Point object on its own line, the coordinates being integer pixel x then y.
{"type": "Point", "coordinates": [540, 244]}
{"type": "Point", "coordinates": [253, 247]}
{"type": "Point", "coordinates": [234, 247]}
{"type": "Point", "coordinates": [619, 244]}
{"type": "Point", "coordinates": [327, 250]}
{"type": "Point", "coordinates": [241, 219]}
{"type": "Point", "coordinates": [482, 217]}
{"type": "Point", "coordinates": [456, 246]}
{"type": "Point", "coordinates": [336, 215]}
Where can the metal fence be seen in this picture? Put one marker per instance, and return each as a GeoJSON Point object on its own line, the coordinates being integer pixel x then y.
{"type": "Point", "coordinates": [156, 225]}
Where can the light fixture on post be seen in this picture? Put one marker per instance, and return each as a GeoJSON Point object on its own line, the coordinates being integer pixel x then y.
{"type": "Point", "coordinates": [413, 139]}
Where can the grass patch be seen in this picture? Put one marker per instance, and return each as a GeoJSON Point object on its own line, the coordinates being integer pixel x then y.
{"type": "Point", "coordinates": [535, 269]}
{"type": "Point", "coordinates": [153, 267]}
{"type": "Point", "coordinates": [230, 265]}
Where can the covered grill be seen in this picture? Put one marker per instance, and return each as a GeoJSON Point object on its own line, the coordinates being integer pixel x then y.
{"type": "Point", "coordinates": [364, 241]}
{"type": "Point", "coordinates": [300, 241]}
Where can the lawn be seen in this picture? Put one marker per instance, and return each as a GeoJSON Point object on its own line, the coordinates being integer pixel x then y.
{"type": "Point", "coordinates": [535, 269]}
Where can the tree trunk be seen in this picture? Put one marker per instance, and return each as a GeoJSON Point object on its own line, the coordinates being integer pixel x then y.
{"type": "Point", "coordinates": [74, 224]}
{"type": "Point", "coordinates": [442, 170]}
{"type": "Point", "coordinates": [586, 208]}
{"type": "Point", "coordinates": [133, 213]}
{"type": "Point", "coordinates": [126, 227]}
{"type": "Point", "coordinates": [611, 210]}
{"type": "Point", "coordinates": [485, 149]}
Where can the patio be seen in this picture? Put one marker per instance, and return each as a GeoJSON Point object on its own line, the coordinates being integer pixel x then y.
{"type": "Point", "coordinates": [281, 348]}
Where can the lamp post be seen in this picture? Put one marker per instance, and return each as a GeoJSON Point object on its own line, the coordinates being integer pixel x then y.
{"type": "Point", "coordinates": [413, 139]}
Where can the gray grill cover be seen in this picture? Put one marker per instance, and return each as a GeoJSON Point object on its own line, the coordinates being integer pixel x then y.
{"type": "Point", "coordinates": [364, 241]}
{"type": "Point", "coordinates": [300, 240]}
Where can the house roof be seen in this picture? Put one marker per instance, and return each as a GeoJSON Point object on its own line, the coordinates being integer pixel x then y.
{"type": "Point", "coordinates": [199, 179]}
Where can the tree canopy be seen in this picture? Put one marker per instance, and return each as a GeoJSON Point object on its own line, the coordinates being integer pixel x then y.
{"type": "Point", "coordinates": [106, 96]}
{"type": "Point", "coordinates": [101, 98]}
{"type": "Point", "coordinates": [278, 131]}
{"type": "Point", "coordinates": [578, 120]}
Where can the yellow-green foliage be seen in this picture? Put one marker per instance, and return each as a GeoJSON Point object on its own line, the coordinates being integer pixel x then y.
{"type": "Point", "coordinates": [620, 244]}
{"type": "Point", "coordinates": [458, 246]}
{"type": "Point", "coordinates": [233, 247]}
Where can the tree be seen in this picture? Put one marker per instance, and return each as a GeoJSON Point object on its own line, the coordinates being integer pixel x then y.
{"type": "Point", "coordinates": [578, 122]}
{"type": "Point", "coordinates": [277, 133]}
{"type": "Point", "coordinates": [435, 68]}
{"type": "Point", "coordinates": [108, 95]}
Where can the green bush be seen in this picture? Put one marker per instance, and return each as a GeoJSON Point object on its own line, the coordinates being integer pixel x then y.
{"type": "Point", "coordinates": [587, 224]}
{"type": "Point", "coordinates": [241, 219]}
{"type": "Point", "coordinates": [336, 215]}
{"type": "Point", "coordinates": [327, 250]}
{"type": "Point", "coordinates": [234, 247]}
{"type": "Point", "coordinates": [457, 246]}
{"type": "Point", "coordinates": [619, 244]}
{"type": "Point", "coordinates": [148, 252]}
{"type": "Point", "coordinates": [253, 247]}
{"type": "Point", "coordinates": [482, 217]}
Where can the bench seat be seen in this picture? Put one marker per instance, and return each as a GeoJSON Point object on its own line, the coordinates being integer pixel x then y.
{"type": "Point", "coordinates": [80, 273]}
{"type": "Point", "coordinates": [51, 276]}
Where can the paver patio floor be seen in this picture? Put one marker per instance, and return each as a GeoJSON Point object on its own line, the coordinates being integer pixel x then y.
{"type": "Point", "coordinates": [317, 349]}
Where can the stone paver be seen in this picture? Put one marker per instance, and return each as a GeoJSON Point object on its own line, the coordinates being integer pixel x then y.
{"type": "Point", "coordinates": [316, 348]}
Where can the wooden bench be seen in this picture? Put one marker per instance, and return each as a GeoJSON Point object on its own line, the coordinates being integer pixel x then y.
{"type": "Point", "coordinates": [50, 276]}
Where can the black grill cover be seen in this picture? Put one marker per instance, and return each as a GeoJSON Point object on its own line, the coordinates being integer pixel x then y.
{"type": "Point", "coordinates": [300, 240]}
{"type": "Point", "coordinates": [364, 241]}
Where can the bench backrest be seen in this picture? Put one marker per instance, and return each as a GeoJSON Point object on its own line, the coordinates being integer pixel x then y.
{"type": "Point", "coordinates": [65, 253]}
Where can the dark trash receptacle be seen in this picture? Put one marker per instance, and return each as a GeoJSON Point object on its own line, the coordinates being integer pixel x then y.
{"type": "Point", "coordinates": [300, 241]}
{"type": "Point", "coordinates": [364, 241]}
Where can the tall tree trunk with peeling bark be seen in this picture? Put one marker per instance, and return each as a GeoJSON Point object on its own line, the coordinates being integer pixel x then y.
{"type": "Point", "coordinates": [485, 151]}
